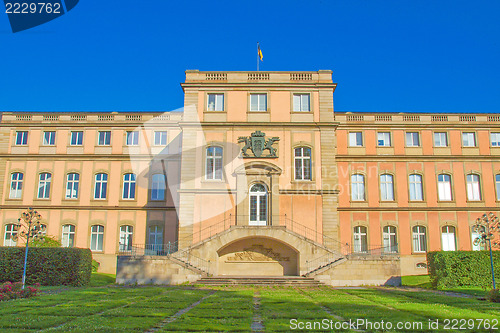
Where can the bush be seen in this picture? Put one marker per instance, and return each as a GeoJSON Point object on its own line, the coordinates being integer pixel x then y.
{"type": "Point", "coordinates": [49, 266]}
{"type": "Point", "coordinates": [10, 290]}
{"type": "Point", "coordinates": [46, 241]}
{"type": "Point", "coordinates": [451, 269]}
{"type": "Point", "coordinates": [95, 265]}
{"type": "Point", "coordinates": [493, 295]}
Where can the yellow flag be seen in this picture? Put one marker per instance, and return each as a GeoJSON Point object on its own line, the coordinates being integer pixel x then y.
{"type": "Point", "coordinates": [260, 54]}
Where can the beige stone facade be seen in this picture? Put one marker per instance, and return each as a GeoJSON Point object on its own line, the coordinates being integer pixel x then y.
{"type": "Point", "coordinates": [257, 176]}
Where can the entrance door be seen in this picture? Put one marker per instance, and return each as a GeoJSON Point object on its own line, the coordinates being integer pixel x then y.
{"type": "Point", "coordinates": [258, 205]}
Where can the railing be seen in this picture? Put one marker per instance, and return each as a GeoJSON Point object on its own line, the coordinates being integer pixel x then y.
{"type": "Point", "coordinates": [215, 76]}
{"type": "Point", "coordinates": [439, 118]}
{"type": "Point", "coordinates": [105, 117]}
{"type": "Point", "coordinates": [355, 117]}
{"type": "Point", "coordinates": [494, 118]}
{"type": "Point", "coordinates": [411, 118]}
{"type": "Point", "coordinates": [150, 249]}
{"type": "Point", "coordinates": [384, 117]}
{"type": "Point", "coordinates": [191, 260]}
{"type": "Point", "coordinates": [211, 230]}
{"type": "Point", "coordinates": [323, 261]}
{"type": "Point", "coordinates": [78, 117]}
{"type": "Point", "coordinates": [467, 118]}
{"type": "Point", "coordinates": [133, 117]}
{"type": "Point", "coordinates": [258, 76]}
{"type": "Point", "coordinates": [375, 251]}
{"type": "Point", "coordinates": [23, 117]}
{"type": "Point", "coordinates": [300, 76]}
{"type": "Point", "coordinates": [51, 117]}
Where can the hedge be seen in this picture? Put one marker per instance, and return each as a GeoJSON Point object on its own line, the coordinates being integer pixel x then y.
{"type": "Point", "coordinates": [450, 269]}
{"type": "Point", "coordinates": [50, 266]}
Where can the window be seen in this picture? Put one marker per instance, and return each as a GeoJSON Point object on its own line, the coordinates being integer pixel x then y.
{"type": "Point", "coordinates": [76, 138]}
{"type": "Point", "coordinates": [416, 189]}
{"type": "Point", "coordinates": [96, 237]}
{"type": "Point", "coordinates": [301, 102]}
{"type": "Point", "coordinates": [384, 139]}
{"type": "Point", "coordinates": [440, 139]}
{"type": "Point", "coordinates": [158, 187]}
{"type": "Point", "coordinates": [215, 102]}
{"type": "Point", "coordinates": [469, 139]}
{"type": "Point", "coordinates": [356, 139]}
{"type": "Point", "coordinates": [444, 187]}
{"type": "Point", "coordinates": [160, 138]}
{"type": "Point", "coordinates": [419, 239]}
{"type": "Point", "coordinates": [126, 233]}
{"type": "Point", "coordinates": [128, 186]}
{"type": "Point", "coordinates": [476, 241]}
{"type": "Point", "coordinates": [258, 204]}
{"type": "Point", "coordinates": [497, 185]}
{"type": "Point", "coordinates": [132, 138]}
{"type": "Point", "coordinates": [412, 139]}
{"type": "Point", "coordinates": [357, 187]}
{"type": "Point", "coordinates": [258, 102]}
{"type": "Point", "coordinates": [360, 244]}
{"type": "Point", "coordinates": [390, 239]}
{"type": "Point", "coordinates": [10, 235]}
{"type": "Point", "coordinates": [72, 183]}
{"type": "Point", "coordinates": [16, 185]}
{"type": "Point", "coordinates": [68, 235]}
{"type": "Point", "coordinates": [303, 163]}
{"type": "Point", "coordinates": [21, 138]}
{"type": "Point", "coordinates": [44, 185]}
{"type": "Point", "coordinates": [214, 163]}
{"type": "Point", "coordinates": [104, 138]}
{"type": "Point", "coordinates": [101, 185]}
{"type": "Point", "coordinates": [386, 188]}
{"type": "Point", "coordinates": [155, 241]}
{"type": "Point", "coordinates": [448, 238]}
{"type": "Point", "coordinates": [49, 138]}
{"type": "Point", "coordinates": [473, 188]}
{"type": "Point", "coordinates": [495, 139]}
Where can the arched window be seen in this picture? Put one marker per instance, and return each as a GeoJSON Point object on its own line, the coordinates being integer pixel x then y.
{"type": "Point", "coordinates": [155, 239]}
{"type": "Point", "coordinates": [386, 187]}
{"type": "Point", "coordinates": [448, 238]}
{"type": "Point", "coordinates": [360, 244]}
{"type": "Point", "coordinates": [444, 187]}
{"type": "Point", "coordinates": [96, 237]}
{"type": "Point", "coordinates": [72, 184]}
{"type": "Point", "coordinates": [497, 186]}
{"type": "Point", "coordinates": [128, 186]}
{"type": "Point", "coordinates": [390, 239]}
{"type": "Point", "coordinates": [258, 204]}
{"type": "Point", "coordinates": [9, 236]}
{"type": "Point", "coordinates": [476, 240]}
{"type": "Point", "coordinates": [44, 185]}
{"type": "Point", "coordinates": [473, 187]}
{"type": "Point", "coordinates": [419, 239]}
{"type": "Point", "coordinates": [158, 187]}
{"type": "Point", "coordinates": [68, 235]}
{"type": "Point", "coordinates": [416, 189]}
{"type": "Point", "coordinates": [126, 234]}
{"type": "Point", "coordinates": [100, 186]}
{"type": "Point", "coordinates": [357, 187]}
{"type": "Point", "coordinates": [16, 185]}
{"type": "Point", "coordinates": [302, 163]}
{"type": "Point", "coordinates": [214, 163]}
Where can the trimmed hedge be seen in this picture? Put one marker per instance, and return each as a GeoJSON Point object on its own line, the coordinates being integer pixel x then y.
{"type": "Point", "coordinates": [49, 266]}
{"type": "Point", "coordinates": [450, 269]}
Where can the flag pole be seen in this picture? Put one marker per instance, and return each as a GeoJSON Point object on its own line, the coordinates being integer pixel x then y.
{"type": "Point", "coordinates": [258, 56]}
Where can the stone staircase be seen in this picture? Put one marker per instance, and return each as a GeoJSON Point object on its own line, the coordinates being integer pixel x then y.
{"type": "Point", "coordinates": [259, 281]}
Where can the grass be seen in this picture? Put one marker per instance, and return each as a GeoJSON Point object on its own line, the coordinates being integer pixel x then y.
{"type": "Point", "coordinates": [104, 307]}
{"type": "Point", "coordinates": [423, 281]}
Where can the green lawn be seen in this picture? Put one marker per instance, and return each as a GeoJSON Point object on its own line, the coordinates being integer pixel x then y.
{"type": "Point", "coordinates": [105, 307]}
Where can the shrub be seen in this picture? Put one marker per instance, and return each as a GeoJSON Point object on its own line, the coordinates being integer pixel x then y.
{"type": "Point", "coordinates": [95, 265]}
{"type": "Point", "coordinates": [10, 290]}
{"type": "Point", "coordinates": [493, 295]}
{"type": "Point", "coordinates": [46, 241]}
{"type": "Point", "coordinates": [451, 269]}
{"type": "Point", "coordinates": [49, 266]}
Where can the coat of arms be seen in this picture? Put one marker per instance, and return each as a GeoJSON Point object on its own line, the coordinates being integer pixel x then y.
{"type": "Point", "coordinates": [258, 144]}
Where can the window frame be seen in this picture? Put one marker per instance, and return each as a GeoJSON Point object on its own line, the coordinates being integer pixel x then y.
{"type": "Point", "coordinates": [9, 229]}
{"type": "Point", "coordinates": [106, 142]}
{"type": "Point", "coordinates": [421, 187]}
{"type": "Point", "coordinates": [497, 143]}
{"type": "Point", "coordinates": [131, 138]}
{"type": "Point", "coordinates": [416, 239]}
{"type": "Point", "coordinates": [265, 94]}
{"type": "Point", "coordinates": [161, 137]}
{"type": "Point", "coordinates": [159, 188]}
{"type": "Point", "coordinates": [454, 237]}
{"type": "Point", "coordinates": [445, 139]}
{"type": "Point", "coordinates": [23, 136]}
{"type": "Point", "coordinates": [356, 138]}
{"type": "Point", "coordinates": [215, 94]}
{"type": "Point", "coordinates": [70, 234]}
{"type": "Point", "coordinates": [392, 233]}
{"type": "Point", "coordinates": [213, 173]}
{"type": "Point", "coordinates": [363, 184]}
{"type": "Point", "coordinates": [97, 233]}
{"type": "Point", "coordinates": [450, 185]}
{"type": "Point", "coordinates": [78, 135]}
{"type": "Point", "coordinates": [474, 138]}
{"type": "Point", "coordinates": [72, 182]}
{"type": "Point", "coordinates": [497, 186]}
{"type": "Point", "coordinates": [103, 183]}
{"type": "Point", "coordinates": [302, 158]}
{"type": "Point", "coordinates": [419, 143]}
{"type": "Point", "coordinates": [363, 245]}
{"type": "Point", "coordinates": [127, 234]}
{"type": "Point", "coordinates": [300, 95]}
{"type": "Point", "coordinates": [391, 188]}
{"type": "Point", "coordinates": [131, 187]}
{"type": "Point", "coordinates": [389, 139]}
{"type": "Point", "coordinates": [479, 193]}
{"type": "Point", "coordinates": [19, 185]}
{"type": "Point", "coordinates": [47, 182]}
{"type": "Point", "coordinates": [51, 140]}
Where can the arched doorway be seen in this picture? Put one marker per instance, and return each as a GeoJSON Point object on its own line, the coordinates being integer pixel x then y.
{"type": "Point", "coordinates": [262, 256]}
{"type": "Point", "coordinates": [258, 204]}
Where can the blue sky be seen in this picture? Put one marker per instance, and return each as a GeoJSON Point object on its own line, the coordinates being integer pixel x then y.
{"type": "Point", "coordinates": [393, 56]}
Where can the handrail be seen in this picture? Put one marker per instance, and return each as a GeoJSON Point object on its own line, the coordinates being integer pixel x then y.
{"type": "Point", "coordinates": [189, 259]}
{"type": "Point", "coordinates": [211, 230]}
{"type": "Point", "coordinates": [323, 261]}
{"type": "Point", "coordinates": [150, 249]}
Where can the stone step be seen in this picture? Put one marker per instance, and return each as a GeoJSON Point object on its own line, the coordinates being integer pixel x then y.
{"type": "Point", "coordinates": [259, 280]}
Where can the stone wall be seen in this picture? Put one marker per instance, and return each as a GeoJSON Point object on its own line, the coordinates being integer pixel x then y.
{"type": "Point", "coordinates": [364, 271]}
{"type": "Point", "coordinates": [152, 270]}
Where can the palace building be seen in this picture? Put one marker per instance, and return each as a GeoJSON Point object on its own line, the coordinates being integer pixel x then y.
{"type": "Point", "coordinates": [256, 176]}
